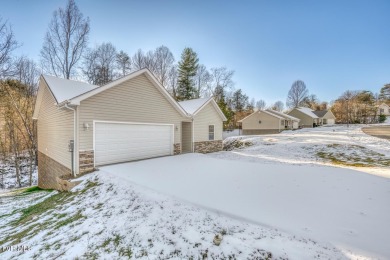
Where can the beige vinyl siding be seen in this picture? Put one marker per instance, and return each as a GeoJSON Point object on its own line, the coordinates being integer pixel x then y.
{"type": "Point", "coordinates": [55, 129]}
{"type": "Point", "coordinates": [207, 116]}
{"type": "Point", "coordinates": [329, 115]}
{"type": "Point", "coordinates": [305, 119]}
{"type": "Point", "coordinates": [186, 144]}
{"type": "Point", "coordinates": [385, 111]}
{"type": "Point", "coordinates": [267, 122]}
{"type": "Point", "coordinates": [136, 100]}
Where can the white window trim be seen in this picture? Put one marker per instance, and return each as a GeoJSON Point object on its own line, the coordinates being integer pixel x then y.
{"type": "Point", "coordinates": [208, 132]}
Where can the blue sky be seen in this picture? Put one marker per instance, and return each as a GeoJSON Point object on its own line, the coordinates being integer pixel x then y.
{"type": "Point", "coordinates": [331, 45]}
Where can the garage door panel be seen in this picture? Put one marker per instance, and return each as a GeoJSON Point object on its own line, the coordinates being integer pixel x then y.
{"type": "Point", "coordinates": [121, 142]}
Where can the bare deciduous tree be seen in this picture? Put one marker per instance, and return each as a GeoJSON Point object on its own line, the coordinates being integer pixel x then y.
{"type": "Point", "coordinates": [221, 77]}
{"type": "Point", "coordinates": [297, 94]}
{"type": "Point", "coordinates": [27, 72]}
{"type": "Point", "coordinates": [123, 61]}
{"type": "Point", "coordinates": [138, 60]}
{"type": "Point", "coordinates": [260, 104]}
{"type": "Point", "coordinates": [311, 101]}
{"type": "Point", "coordinates": [172, 81]}
{"type": "Point", "coordinates": [7, 45]}
{"type": "Point", "coordinates": [99, 64]}
{"type": "Point", "coordinates": [164, 60]}
{"type": "Point", "coordinates": [18, 129]}
{"type": "Point", "coordinates": [65, 41]}
{"type": "Point", "coordinates": [251, 105]}
{"type": "Point", "coordinates": [278, 106]}
{"type": "Point", "coordinates": [202, 80]}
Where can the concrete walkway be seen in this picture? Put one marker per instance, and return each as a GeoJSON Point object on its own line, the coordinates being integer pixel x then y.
{"type": "Point", "coordinates": [378, 131]}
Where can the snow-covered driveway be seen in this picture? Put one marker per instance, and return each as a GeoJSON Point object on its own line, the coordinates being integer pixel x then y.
{"type": "Point", "coordinates": [348, 208]}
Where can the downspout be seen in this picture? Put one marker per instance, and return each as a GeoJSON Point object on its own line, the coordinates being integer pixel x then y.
{"type": "Point", "coordinates": [74, 138]}
{"type": "Point", "coordinates": [192, 135]}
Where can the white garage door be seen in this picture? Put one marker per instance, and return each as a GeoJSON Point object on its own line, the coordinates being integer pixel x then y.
{"type": "Point", "coordinates": [330, 121]}
{"type": "Point", "coordinates": [122, 142]}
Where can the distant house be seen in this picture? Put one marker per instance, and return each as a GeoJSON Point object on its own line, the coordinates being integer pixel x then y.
{"type": "Point", "coordinates": [311, 118]}
{"type": "Point", "coordinates": [326, 116]}
{"type": "Point", "coordinates": [383, 109]}
{"type": "Point", "coordinates": [82, 126]}
{"type": "Point", "coordinates": [306, 116]}
{"type": "Point", "coordinates": [267, 122]}
{"type": "Point", "coordinates": [290, 121]}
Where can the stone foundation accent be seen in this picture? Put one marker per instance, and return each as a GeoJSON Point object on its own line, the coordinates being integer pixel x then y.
{"type": "Point", "coordinates": [50, 173]}
{"type": "Point", "coordinates": [208, 146]}
{"type": "Point", "coordinates": [261, 131]}
{"type": "Point", "coordinates": [176, 149]}
{"type": "Point", "coordinates": [86, 161]}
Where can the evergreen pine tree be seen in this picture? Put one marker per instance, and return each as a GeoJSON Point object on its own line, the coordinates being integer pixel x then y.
{"type": "Point", "coordinates": [188, 67]}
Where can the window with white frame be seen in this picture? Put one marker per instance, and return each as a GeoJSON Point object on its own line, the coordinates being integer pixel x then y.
{"type": "Point", "coordinates": [211, 132]}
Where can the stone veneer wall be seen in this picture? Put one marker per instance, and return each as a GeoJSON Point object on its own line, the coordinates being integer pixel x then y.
{"type": "Point", "coordinates": [51, 174]}
{"type": "Point", "coordinates": [86, 161]}
{"type": "Point", "coordinates": [208, 146]}
{"type": "Point", "coordinates": [177, 149]}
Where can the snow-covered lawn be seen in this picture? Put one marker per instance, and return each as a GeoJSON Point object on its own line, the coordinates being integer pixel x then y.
{"type": "Point", "coordinates": [337, 146]}
{"type": "Point", "coordinates": [107, 217]}
{"type": "Point", "coordinates": [342, 206]}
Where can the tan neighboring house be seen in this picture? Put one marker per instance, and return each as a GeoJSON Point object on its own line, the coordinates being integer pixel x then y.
{"type": "Point", "coordinates": [326, 117]}
{"type": "Point", "coordinates": [383, 109]}
{"type": "Point", "coordinates": [82, 126]}
{"type": "Point", "coordinates": [290, 121]}
{"type": "Point", "coordinates": [312, 118]}
{"type": "Point", "coordinates": [306, 116]}
{"type": "Point", "coordinates": [265, 122]}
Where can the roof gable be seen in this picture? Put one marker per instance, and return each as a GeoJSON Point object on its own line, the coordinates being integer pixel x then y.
{"type": "Point", "coordinates": [194, 106]}
{"type": "Point", "coordinates": [282, 115]}
{"type": "Point", "coordinates": [66, 89]}
{"type": "Point", "coordinates": [42, 87]}
{"type": "Point", "coordinates": [258, 113]}
{"type": "Point", "coordinates": [191, 106]}
{"type": "Point", "coordinates": [73, 92]}
{"type": "Point", "coordinates": [384, 105]}
{"type": "Point", "coordinates": [307, 111]}
{"type": "Point", "coordinates": [320, 113]}
{"type": "Point", "coordinates": [76, 100]}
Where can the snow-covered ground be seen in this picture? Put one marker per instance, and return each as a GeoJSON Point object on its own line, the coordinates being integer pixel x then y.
{"type": "Point", "coordinates": [8, 174]}
{"type": "Point", "coordinates": [283, 195]}
{"type": "Point", "coordinates": [109, 218]}
{"type": "Point", "coordinates": [344, 207]}
{"type": "Point", "coordinates": [305, 146]}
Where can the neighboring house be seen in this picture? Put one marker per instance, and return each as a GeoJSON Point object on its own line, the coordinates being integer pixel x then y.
{"type": "Point", "coordinates": [290, 122]}
{"type": "Point", "coordinates": [383, 109]}
{"type": "Point", "coordinates": [263, 122]}
{"type": "Point", "coordinates": [306, 116]}
{"type": "Point", "coordinates": [131, 118]}
{"type": "Point", "coordinates": [326, 116]}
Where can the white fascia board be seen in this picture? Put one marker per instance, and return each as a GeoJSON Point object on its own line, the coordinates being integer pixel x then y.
{"type": "Point", "coordinates": [216, 107]}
